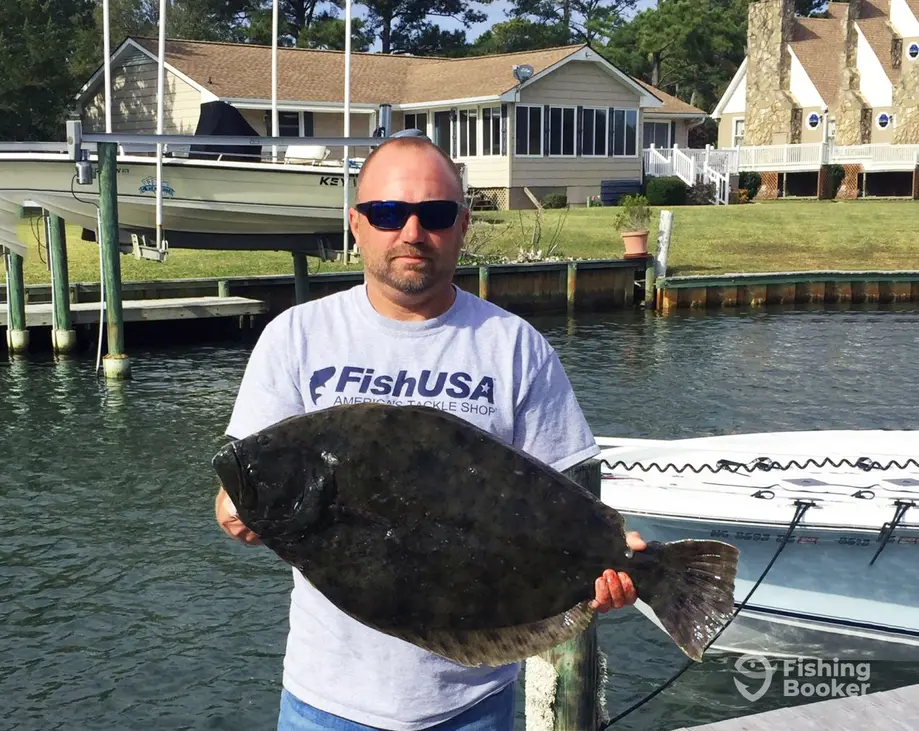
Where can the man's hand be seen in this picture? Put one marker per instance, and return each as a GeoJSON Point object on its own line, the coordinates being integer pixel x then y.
{"type": "Point", "coordinates": [229, 523]}
{"type": "Point", "coordinates": [615, 590]}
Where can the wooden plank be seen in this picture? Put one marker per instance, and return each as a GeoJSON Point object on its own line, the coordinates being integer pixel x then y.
{"type": "Point", "coordinates": [184, 308]}
{"type": "Point", "coordinates": [891, 710]}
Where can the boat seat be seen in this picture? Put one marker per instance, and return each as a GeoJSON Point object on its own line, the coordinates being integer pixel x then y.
{"type": "Point", "coordinates": [305, 154]}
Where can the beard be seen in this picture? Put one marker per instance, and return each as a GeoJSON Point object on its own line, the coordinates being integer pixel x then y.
{"type": "Point", "coordinates": [414, 278]}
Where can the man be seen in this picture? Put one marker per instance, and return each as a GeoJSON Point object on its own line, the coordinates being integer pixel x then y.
{"type": "Point", "coordinates": [406, 335]}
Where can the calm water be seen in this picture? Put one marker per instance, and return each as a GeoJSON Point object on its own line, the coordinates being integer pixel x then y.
{"type": "Point", "coordinates": [122, 606]}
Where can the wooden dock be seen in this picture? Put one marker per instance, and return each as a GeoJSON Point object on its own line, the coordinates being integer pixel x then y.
{"type": "Point", "coordinates": [149, 310]}
{"type": "Point", "coordinates": [890, 710]}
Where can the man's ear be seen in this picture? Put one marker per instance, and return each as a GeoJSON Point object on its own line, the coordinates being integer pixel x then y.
{"type": "Point", "coordinates": [354, 219]}
{"type": "Point", "coordinates": [465, 219]}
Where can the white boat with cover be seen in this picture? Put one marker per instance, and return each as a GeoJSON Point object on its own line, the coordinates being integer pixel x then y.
{"type": "Point", "coordinates": [846, 583]}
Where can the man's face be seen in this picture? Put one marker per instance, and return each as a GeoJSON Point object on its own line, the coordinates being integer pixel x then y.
{"type": "Point", "coordinates": [411, 260]}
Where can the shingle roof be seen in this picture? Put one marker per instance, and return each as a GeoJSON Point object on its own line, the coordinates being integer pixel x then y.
{"type": "Point", "coordinates": [818, 43]}
{"type": "Point", "coordinates": [873, 23]}
{"type": "Point", "coordinates": [672, 105]}
{"type": "Point", "coordinates": [243, 71]}
{"type": "Point", "coordinates": [914, 6]}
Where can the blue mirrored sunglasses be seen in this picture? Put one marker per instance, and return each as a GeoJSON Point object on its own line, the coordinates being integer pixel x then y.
{"type": "Point", "coordinates": [392, 215]}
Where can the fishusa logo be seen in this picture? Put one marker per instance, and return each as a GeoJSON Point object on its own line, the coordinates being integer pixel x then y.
{"type": "Point", "coordinates": [458, 391]}
{"type": "Point", "coordinates": [803, 677]}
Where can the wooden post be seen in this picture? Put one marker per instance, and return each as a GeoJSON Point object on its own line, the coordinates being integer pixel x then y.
{"type": "Point", "coordinates": [223, 288]}
{"type": "Point", "coordinates": [116, 363]}
{"type": "Point", "coordinates": [483, 282]}
{"type": "Point", "coordinates": [17, 336]}
{"type": "Point", "coordinates": [572, 286]}
{"type": "Point", "coordinates": [575, 661]}
{"type": "Point", "coordinates": [664, 231]}
{"type": "Point", "coordinates": [650, 295]}
{"type": "Point", "coordinates": [63, 336]}
{"type": "Point", "coordinates": [301, 278]}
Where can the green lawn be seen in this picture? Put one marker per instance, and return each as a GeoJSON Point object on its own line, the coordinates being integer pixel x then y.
{"type": "Point", "coordinates": [760, 237]}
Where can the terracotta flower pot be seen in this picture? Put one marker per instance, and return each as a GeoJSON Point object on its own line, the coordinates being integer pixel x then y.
{"type": "Point", "coordinates": [636, 243]}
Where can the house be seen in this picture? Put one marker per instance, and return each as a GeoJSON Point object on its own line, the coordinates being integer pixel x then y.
{"type": "Point", "coordinates": [577, 119]}
{"type": "Point", "coordinates": [840, 90]}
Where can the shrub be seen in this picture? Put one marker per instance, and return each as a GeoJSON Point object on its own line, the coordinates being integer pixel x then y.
{"type": "Point", "coordinates": [702, 194]}
{"type": "Point", "coordinates": [635, 214]}
{"type": "Point", "coordinates": [666, 191]}
{"type": "Point", "coordinates": [750, 180]}
{"type": "Point", "coordinates": [836, 174]}
{"type": "Point", "coordinates": [555, 200]}
{"type": "Point", "coordinates": [743, 196]}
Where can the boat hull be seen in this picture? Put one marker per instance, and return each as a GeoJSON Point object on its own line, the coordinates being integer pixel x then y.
{"type": "Point", "coordinates": [829, 593]}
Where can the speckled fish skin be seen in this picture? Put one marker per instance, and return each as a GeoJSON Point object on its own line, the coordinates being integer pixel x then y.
{"type": "Point", "coordinates": [423, 526]}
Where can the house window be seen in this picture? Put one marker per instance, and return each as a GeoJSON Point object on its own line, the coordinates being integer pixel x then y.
{"type": "Point", "coordinates": [594, 140]}
{"type": "Point", "coordinates": [467, 133]}
{"type": "Point", "coordinates": [288, 124]}
{"type": "Point", "coordinates": [491, 131]}
{"type": "Point", "coordinates": [738, 133]}
{"type": "Point", "coordinates": [291, 124]}
{"type": "Point", "coordinates": [657, 134]}
{"type": "Point", "coordinates": [625, 129]}
{"type": "Point", "coordinates": [528, 130]}
{"type": "Point", "coordinates": [562, 131]}
{"type": "Point", "coordinates": [418, 120]}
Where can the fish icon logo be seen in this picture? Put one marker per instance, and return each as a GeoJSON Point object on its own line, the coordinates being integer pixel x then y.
{"type": "Point", "coordinates": [753, 659]}
{"type": "Point", "coordinates": [319, 379]}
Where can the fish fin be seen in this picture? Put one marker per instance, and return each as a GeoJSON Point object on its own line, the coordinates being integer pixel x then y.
{"type": "Point", "coordinates": [694, 595]}
{"type": "Point", "coordinates": [501, 646]}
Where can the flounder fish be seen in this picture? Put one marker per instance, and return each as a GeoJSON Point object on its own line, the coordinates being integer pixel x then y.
{"type": "Point", "coordinates": [422, 526]}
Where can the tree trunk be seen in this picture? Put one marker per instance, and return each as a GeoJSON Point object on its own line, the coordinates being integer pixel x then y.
{"type": "Point", "coordinates": [386, 35]}
{"type": "Point", "coordinates": [655, 68]}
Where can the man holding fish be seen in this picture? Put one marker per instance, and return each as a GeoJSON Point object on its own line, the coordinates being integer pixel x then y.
{"type": "Point", "coordinates": [407, 336]}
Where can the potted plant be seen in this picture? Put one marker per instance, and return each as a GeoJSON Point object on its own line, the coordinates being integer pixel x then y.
{"type": "Point", "coordinates": [633, 221]}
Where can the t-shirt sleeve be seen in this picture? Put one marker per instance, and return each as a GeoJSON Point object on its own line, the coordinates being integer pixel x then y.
{"type": "Point", "coordinates": [549, 424]}
{"type": "Point", "coordinates": [269, 391]}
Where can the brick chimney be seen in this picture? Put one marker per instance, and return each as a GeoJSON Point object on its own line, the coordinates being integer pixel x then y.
{"type": "Point", "coordinates": [770, 117]}
{"type": "Point", "coordinates": [853, 115]}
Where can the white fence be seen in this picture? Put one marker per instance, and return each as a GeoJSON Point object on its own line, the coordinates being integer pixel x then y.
{"type": "Point", "coordinates": [806, 157]}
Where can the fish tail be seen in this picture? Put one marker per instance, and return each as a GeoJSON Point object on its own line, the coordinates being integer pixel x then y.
{"type": "Point", "coordinates": [690, 586]}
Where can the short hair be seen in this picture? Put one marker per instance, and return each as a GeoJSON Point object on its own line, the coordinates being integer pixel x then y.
{"type": "Point", "coordinates": [418, 143]}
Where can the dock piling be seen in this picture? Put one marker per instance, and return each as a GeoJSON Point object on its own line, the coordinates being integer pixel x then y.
{"type": "Point", "coordinates": [301, 278]}
{"type": "Point", "coordinates": [483, 282]}
{"type": "Point", "coordinates": [17, 336]}
{"type": "Point", "coordinates": [575, 662]}
{"type": "Point", "coordinates": [116, 363]}
{"type": "Point", "coordinates": [63, 336]}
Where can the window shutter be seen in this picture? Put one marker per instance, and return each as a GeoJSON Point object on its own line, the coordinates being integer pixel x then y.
{"type": "Point", "coordinates": [504, 129]}
{"type": "Point", "coordinates": [454, 131]}
{"type": "Point", "coordinates": [545, 130]}
{"type": "Point", "coordinates": [610, 131]}
{"type": "Point", "coordinates": [307, 124]}
{"type": "Point", "coordinates": [579, 131]}
{"type": "Point", "coordinates": [673, 133]}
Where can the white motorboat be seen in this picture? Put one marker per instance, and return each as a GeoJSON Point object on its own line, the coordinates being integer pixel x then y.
{"type": "Point", "coordinates": [846, 584]}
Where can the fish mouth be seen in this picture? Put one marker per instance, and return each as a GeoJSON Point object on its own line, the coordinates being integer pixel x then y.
{"type": "Point", "coordinates": [229, 469]}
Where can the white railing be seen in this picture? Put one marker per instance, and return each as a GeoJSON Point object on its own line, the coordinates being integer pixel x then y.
{"type": "Point", "coordinates": [684, 166]}
{"type": "Point", "coordinates": [807, 156]}
{"type": "Point", "coordinates": [657, 162]}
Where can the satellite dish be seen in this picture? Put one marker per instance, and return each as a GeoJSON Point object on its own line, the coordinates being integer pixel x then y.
{"type": "Point", "coordinates": [523, 72]}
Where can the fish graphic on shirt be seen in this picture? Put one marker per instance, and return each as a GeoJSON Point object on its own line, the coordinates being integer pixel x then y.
{"type": "Point", "coordinates": [319, 379]}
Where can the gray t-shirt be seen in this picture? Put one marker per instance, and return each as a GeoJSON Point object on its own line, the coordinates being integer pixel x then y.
{"type": "Point", "coordinates": [476, 361]}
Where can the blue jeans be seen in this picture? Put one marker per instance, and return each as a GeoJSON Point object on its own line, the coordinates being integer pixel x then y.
{"type": "Point", "coordinates": [495, 713]}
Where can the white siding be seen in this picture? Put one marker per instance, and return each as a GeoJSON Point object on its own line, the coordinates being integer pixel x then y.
{"type": "Point", "coordinates": [134, 100]}
{"type": "Point", "coordinates": [903, 20]}
{"type": "Point", "coordinates": [487, 171]}
{"type": "Point", "coordinates": [802, 88]}
{"type": "Point", "coordinates": [874, 84]}
{"type": "Point", "coordinates": [578, 83]}
{"type": "Point", "coordinates": [737, 104]}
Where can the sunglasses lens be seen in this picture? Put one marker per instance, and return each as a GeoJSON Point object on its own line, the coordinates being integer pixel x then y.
{"type": "Point", "coordinates": [388, 215]}
{"type": "Point", "coordinates": [437, 215]}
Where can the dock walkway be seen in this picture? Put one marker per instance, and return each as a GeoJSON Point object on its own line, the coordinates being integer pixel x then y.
{"type": "Point", "coordinates": [149, 310]}
{"type": "Point", "coordinates": [891, 710]}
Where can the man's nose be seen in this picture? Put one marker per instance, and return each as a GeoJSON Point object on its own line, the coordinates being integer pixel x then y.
{"type": "Point", "coordinates": [412, 230]}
